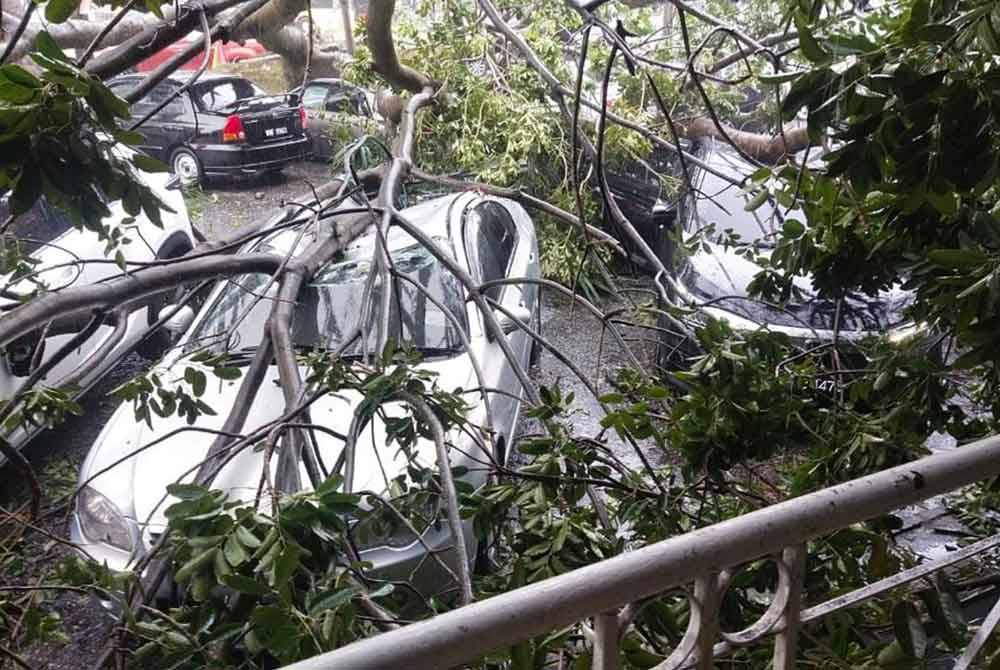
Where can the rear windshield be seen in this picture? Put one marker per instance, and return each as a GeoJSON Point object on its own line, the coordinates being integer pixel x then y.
{"type": "Point", "coordinates": [218, 95]}
{"type": "Point", "coordinates": [35, 228]}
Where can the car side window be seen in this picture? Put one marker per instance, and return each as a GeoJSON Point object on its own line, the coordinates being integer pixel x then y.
{"type": "Point", "coordinates": [314, 96]}
{"type": "Point", "coordinates": [494, 243]}
{"type": "Point", "coordinates": [140, 108]}
{"type": "Point", "coordinates": [337, 104]}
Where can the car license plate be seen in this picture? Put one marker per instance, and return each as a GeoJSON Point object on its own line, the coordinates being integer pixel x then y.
{"type": "Point", "coordinates": [275, 132]}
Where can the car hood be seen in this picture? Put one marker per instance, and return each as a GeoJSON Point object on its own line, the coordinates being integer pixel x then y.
{"type": "Point", "coordinates": [138, 486]}
{"type": "Point", "coordinates": [721, 275]}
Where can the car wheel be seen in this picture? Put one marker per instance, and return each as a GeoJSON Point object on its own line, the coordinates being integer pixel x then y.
{"type": "Point", "coordinates": [155, 344]}
{"type": "Point", "coordinates": [187, 167]}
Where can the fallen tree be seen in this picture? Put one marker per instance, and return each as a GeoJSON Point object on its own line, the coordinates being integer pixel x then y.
{"type": "Point", "coordinates": [749, 419]}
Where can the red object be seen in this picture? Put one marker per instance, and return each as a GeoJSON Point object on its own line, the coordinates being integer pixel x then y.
{"type": "Point", "coordinates": [233, 130]}
{"type": "Point", "coordinates": [302, 116]}
{"type": "Point", "coordinates": [230, 52]}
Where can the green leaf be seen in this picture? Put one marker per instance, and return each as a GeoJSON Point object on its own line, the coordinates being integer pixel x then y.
{"type": "Point", "coordinates": [48, 46]}
{"type": "Point", "coordinates": [286, 564]}
{"type": "Point", "coordinates": [847, 45]}
{"type": "Point", "coordinates": [244, 584]}
{"type": "Point", "coordinates": [807, 43]}
{"type": "Point", "coordinates": [792, 228]}
{"type": "Point", "coordinates": [916, 18]}
{"type": "Point", "coordinates": [186, 491]}
{"type": "Point", "coordinates": [226, 372]}
{"type": "Point", "coordinates": [909, 630]}
{"type": "Point", "coordinates": [236, 555]}
{"type": "Point", "coordinates": [128, 136]}
{"type": "Point", "coordinates": [247, 539]}
{"type": "Point", "coordinates": [935, 33]}
{"type": "Point", "coordinates": [191, 567]}
{"type": "Point", "coordinates": [57, 11]}
{"type": "Point", "coordinates": [149, 164]}
{"type": "Point", "coordinates": [332, 600]}
{"type": "Point", "coordinates": [382, 591]}
{"type": "Point", "coordinates": [757, 200]}
{"type": "Point", "coordinates": [779, 78]}
{"type": "Point", "coordinates": [956, 258]}
{"type": "Point", "coordinates": [18, 75]}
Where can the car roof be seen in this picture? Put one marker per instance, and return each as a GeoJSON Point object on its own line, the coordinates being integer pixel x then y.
{"type": "Point", "coordinates": [333, 81]}
{"type": "Point", "coordinates": [432, 216]}
{"type": "Point", "coordinates": [185, 76]}
{"type": "Point", "coordinates": [182, 76]}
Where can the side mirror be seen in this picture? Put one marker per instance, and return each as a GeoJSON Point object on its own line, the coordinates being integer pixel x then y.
{"type": "Point", "coordinates": [294, 98]}
{"type": "Point", "coordinates": [178, 319]}
{"type": "Point", "coordinates": [520, 314]}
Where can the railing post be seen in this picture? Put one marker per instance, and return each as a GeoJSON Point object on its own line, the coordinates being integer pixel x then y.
{"type": "Point", "coordinates": [606, 653]}
{"type": "Point", "coordinates": [708, 597]}
{"type": "Point", "coordinates": [786, 641]}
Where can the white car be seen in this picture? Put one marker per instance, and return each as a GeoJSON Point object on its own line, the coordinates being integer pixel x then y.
{"type": "Point", "coordinates": [59, 254]}
{"type": "Point", "coordinates": [120, 512]}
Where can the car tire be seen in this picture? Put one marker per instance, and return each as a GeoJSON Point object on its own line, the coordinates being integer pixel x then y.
{"type": "Point", "coordinates": [155, 344]}
{"type": "Point", "coordinates": [187, 167]}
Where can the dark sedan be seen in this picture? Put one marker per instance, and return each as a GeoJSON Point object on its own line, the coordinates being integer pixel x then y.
{"type": "Point", "coordinates": [337, 113]}
{"type": "Point", "coordinates": [222, 125]}
{"type": "Point", "coordinates": [717, 273]}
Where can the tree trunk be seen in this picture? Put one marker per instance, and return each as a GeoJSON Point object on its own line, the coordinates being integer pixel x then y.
{"type": "Point", "coordinates": [345, 15]}
{"type": "Point", "coordinates": [769, 149]}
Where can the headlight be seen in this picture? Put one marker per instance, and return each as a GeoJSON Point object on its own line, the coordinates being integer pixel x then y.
{"type": "Point", "coordinates": [102, 521]}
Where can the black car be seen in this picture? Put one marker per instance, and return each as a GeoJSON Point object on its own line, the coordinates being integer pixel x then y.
{"type": "Point", "coordinates": [641, 190]}
{"type": "Point", "coordinates": [717, 276]}
{"type": "Point", "coordinates": [222, 125]}
{"type": "Point", "coordinates": [337, 112]}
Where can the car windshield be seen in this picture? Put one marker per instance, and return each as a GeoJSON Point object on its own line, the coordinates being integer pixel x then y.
{"type": "Point", "coordinates": [35, 228]}
{"type": "Point", "coordinates": [724, 204]}
{"type": "Point", "coordinates": [214, 96]}
{"type": "Point", "coordinates": [330, 307]}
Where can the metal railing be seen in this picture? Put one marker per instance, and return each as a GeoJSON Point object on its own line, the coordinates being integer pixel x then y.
{"type": "Point", "coordinates": [606, 595]}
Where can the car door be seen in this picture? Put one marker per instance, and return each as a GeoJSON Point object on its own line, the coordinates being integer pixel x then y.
{"type": "Point", "coordinates": [56, 248]}
{"type": "Point", "coordinates": [169, 126]}
{"type": "Point", "coordinates": [494, 245]}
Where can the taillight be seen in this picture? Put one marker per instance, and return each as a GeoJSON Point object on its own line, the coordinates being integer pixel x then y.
{"type": "Point", "coordinates": [233, 130]}
{"type": "Point", "coordinates": [302, 116]}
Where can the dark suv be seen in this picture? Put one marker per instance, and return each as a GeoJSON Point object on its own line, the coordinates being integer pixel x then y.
{"type": "Point", "coordinates": [221, 125]}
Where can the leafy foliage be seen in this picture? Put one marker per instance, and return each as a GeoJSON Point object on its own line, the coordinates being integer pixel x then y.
{"type": "Point", "coordinates": [58, 137]}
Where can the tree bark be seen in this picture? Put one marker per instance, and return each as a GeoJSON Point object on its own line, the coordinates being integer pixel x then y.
{"type": "Point", "coordinates": [769, 149]}
{"type": "Point", "coordinates": [383, 50]}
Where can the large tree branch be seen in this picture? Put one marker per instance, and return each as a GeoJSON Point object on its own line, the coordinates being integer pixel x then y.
{"type": "Point", "coordinates": [128, 289]}
{"type": "Point", "coordinates": [155, 36]}
{"type": "Point", "coordinates": [764, 148]}
{"type": "Point", "coordinates": [383, 50]}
